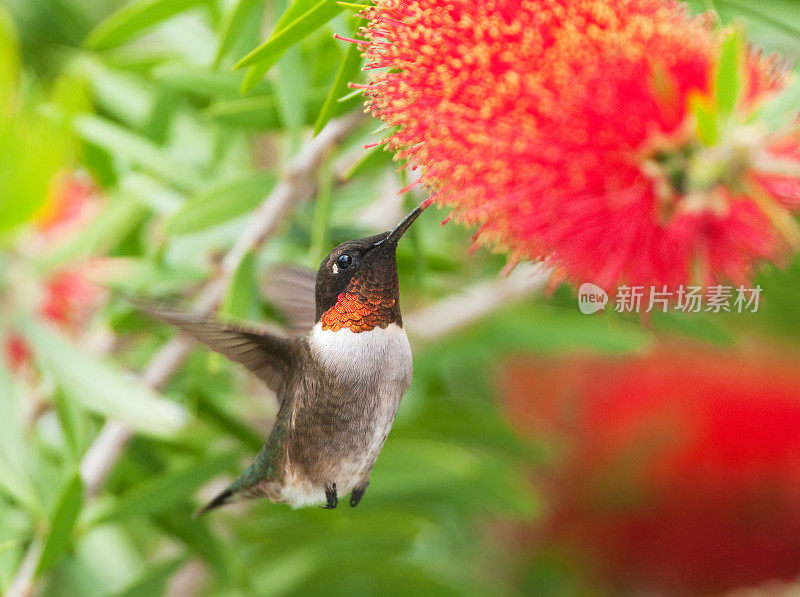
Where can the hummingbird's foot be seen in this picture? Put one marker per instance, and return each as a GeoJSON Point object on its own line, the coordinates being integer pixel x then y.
{"type": "Point", "coordinates": [357, 494]}
{"type": "Point", "coordinates": [330, 496]}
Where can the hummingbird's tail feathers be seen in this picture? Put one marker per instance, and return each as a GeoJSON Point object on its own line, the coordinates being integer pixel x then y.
{"type": "Point", "coordinates": [226, 497]}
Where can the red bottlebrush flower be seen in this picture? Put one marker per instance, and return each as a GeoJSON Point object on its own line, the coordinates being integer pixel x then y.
{"type": "Point", "coordinates": [18, 353]}
{"type": "Point", "coordinates": [672, 477]}
{"type": "Point", "coordinates": [567, 130]}
{"type": "Point", "coordinates": [70, 297]}
{"type": "Point", "coordinates": [72, 204]}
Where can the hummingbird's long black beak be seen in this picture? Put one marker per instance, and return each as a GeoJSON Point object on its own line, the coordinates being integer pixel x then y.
{"type": "Point", "coordinates": [404, 225]}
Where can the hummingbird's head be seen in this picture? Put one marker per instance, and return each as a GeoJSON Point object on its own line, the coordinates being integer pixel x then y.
{"type": "Point", "coordinates": [357, 284]}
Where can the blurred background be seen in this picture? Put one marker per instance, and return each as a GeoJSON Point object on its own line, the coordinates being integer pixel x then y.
{"type": "Point", "coordinates": [539, 451]}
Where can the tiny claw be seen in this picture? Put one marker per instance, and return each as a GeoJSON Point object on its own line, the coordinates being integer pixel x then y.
{"type": "Point", "coordinates": [357, 494]}
{"type": "Point", "coordinates": [330, 496]}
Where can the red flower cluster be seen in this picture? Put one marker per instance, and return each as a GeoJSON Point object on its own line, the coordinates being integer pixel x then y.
{"type": "Point", "coordinates": [674, 478]}
{"type": "Point", "coordinates": [70, 198]}
{"type": "Point", "coordinates": [69, 296]}
{"type": "Point", "coordinates": [563, 128]}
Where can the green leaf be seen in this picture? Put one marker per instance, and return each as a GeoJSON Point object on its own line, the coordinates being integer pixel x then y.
{"type": "Point", "coordinates": [62, 522]}
{"type": "Point", "coordinates": [250, 112]}
{"type": "Point", "coordinates": [313, 17]}
{"type": "Point", "coordinates": [213, 414]}
{"type": "Point", "coordinates": [349, 68]}
{"type": "Point", "coordinates": [372, 159]}
{"type": "Point", "coordinates": [254, 76]}
{"type": "Point", "coordinates": [197, 537]}
{"type": "Point", "coordinates": [165, 491]}
{"type": "Point", "coordinates": [290, 86]}
{"type": "Point", "coordinates": [729, 73]}
{"type": "Point", "coordinates": [221, 203]}
{"type": "Point", "coordinates": [242, 299]}
{"type": "Point", "coordinates": [352, 6]}
{"type": "Point", "coordinates": [775, 15]}
{"type": "Point", "coordinates": [202, 82]}
{"type": "Point", "coordinates": [75, 425]}
{"type": "Point", "coordinates": [14, 450]}
{"type": "Point", "coordinates": [9, 65]}
{"type": "Point", "coordinates": [19, 488]}
{"type": "Point", "coordinates": [13, 444]}
{"type": "Point", "coordinates": [322, 209]}
{"type": "Point", "coordinates": [781, 110]}
{"type": "Point", "coordinates": [100, 387]}
{"type": "Point", "coordinates": [234, 23]}
{"type": "Point", "coordinates": [133, 19]}
{"type": "Point", "coordinates": [35, 145]}
{"type": "Point", "coordinates": [140, 151]}
{"type": "Point", "coordinates": [706, 117]}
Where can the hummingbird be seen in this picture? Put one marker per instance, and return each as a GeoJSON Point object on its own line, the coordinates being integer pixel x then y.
{"type": "Point", "coordinates": [338, 386]}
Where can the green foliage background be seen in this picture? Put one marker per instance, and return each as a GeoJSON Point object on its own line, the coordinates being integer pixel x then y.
{"type": "Point", "coordinates": [145, 97]}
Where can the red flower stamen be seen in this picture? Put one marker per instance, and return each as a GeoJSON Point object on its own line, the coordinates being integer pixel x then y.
{"type": "Point", "coordinates": [556, 125]}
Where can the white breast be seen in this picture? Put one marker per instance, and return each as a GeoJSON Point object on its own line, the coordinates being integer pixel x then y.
{"type": "Point", "coordinates": [380, 355]}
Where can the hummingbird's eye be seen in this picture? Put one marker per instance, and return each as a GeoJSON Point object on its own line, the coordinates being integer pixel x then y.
{"type": "Point", "coordinates": [344, 261]}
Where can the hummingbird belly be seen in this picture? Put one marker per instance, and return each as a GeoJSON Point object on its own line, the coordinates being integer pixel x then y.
{"type": "Point", "coordinates": [338, 432]}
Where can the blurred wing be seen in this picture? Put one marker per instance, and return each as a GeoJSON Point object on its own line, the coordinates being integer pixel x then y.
{"type": "Point", "coordinates": [264, 353]}
{"type": "Point", "coordinates": [292, 290]}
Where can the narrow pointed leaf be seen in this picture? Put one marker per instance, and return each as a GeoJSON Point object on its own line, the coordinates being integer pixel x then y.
{"type": "Point", "coordinates": [13, 444]}
{"type": "Point", "coordinates": [100, 387]}
{"type": "Point", "coordinates": [201, 82]}
{"type": "Point", "coordinates": [213, 414]}
{"type": "Point", "coordinates": [706, 117]}
{"type": "Point", "coordinates": [19, 488]}
{"type": "Point", "coordinates": [349, 68]}
{"type": "Point", "coordinates": [242, 300]}
{"type": "Point", "coordinates": [250, 112]}
{"type": "Point", "coordinates": [267, 54]}
{"type": "Point", "coordinates": [235, 22]}
{"type": "Point", "coordinates": [729, 73]}
{"type": "Point", "coordinates": [253, 76]}
{"type": "Point", "coordinates": [140, 151]}
{"type": "Point", "coordinates": [372, 159]}
{"type": "Point", "coordinates": [62, 522]}
{"type": "Point", "coordinates": [783, 109]}
{"type": "Point", "coordinates": [290, 87]}
{"type": "Point", "coordinates": [166, 490]}
{"type": "Point", "coordinates": [322, 209]}
{"type": "Point", "coordinates": [133, 19]}
{"type": "Point", "coordinates": [221, 203]}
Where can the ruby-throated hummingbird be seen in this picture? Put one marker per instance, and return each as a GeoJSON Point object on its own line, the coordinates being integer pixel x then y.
{"type": "Point", "coordinates": [338, 386]}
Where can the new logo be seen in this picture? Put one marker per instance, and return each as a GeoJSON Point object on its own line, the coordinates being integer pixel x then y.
{"type": "Point", "coordinates": [591, 298]}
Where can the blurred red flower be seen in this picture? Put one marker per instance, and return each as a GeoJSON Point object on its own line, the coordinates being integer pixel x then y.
{"type": "Point", "coordinates": [564, 128]}
{"type": "Point", "coordinates": [69, 299]}
{"type": "Point", "coordinates": [17, 352]}
{"type": "Point", "coordinates": [678, 471]}
{"type": "Point", "coordinates": [69, 296]}
{"type": "Point", "coordinates": [71, 205]}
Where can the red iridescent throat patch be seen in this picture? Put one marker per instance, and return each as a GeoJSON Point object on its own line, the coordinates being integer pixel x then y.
{"type": "Point", "coordinates": [366, 304]}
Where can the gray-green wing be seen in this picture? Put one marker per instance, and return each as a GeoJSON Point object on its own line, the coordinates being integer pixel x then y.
{"type": "Point", "coordinates": [291, 289]}
{"type": "Point", "coordinates": [265, 353]}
